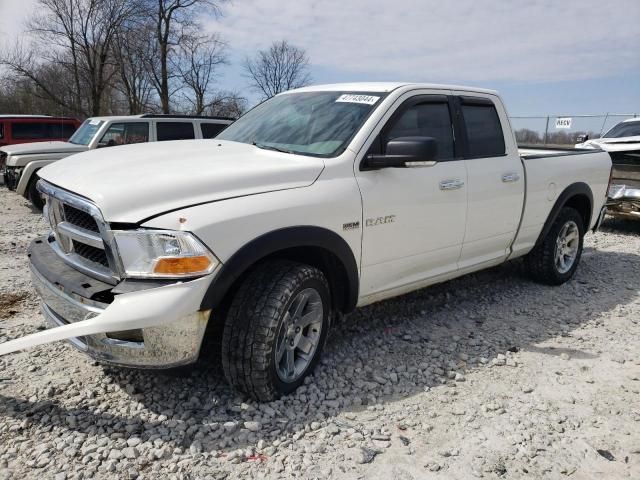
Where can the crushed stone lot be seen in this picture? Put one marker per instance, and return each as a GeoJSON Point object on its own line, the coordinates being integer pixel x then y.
{"type": "Point", "coordinates": [486, 376]}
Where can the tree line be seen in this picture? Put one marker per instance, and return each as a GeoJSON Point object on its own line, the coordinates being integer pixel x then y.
{"type": "Point", "coordinates": [104, 57]}
{"type": "Point", "coordinates": [526, 136]}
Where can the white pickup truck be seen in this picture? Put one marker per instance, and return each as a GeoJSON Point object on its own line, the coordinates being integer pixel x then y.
{"type": "Point", "coordinates": [317, 201]}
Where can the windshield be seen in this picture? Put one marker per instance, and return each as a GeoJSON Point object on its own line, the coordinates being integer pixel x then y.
{"type": "Point", "coordinates": [306, 123]}
{"type": "Point", "coordinates": [85, 133]}
{"type": "Point", "coordinates": [624, 129]}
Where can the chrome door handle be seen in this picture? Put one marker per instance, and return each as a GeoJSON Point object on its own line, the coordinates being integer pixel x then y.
{"type": "Point", "coordinates": [510, 177]}
{"type": "Point", "coordinates": [453, 184]}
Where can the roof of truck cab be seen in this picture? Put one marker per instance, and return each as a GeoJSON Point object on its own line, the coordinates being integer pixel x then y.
{"type": "Point", "coordinates": [386, 87]}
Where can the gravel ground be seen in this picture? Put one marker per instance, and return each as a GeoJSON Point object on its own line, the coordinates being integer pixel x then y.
{"type": "Point", "coordinates": [487, 376]}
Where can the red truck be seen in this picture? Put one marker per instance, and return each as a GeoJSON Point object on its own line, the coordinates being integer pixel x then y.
{"type": "Point", "coordinates": [35, 128]}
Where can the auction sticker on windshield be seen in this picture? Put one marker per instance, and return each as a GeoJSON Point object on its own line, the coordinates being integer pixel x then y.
{"type": "Point", "coordinates": [351, 98]}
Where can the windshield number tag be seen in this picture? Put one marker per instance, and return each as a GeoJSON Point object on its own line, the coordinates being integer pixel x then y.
{"type": "Point", "coordinates": [351, 98]}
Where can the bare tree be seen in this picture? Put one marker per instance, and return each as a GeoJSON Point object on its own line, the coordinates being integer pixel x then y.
{"type": "Point", "coordinates": [133, 46]}
{"type": "Point", "coordinates": [172, 18]}
{"type": "Point", "coordinates": [227, 104]}
{"type": "Point", "coordinates": [78, 35]}
{"type": "Point", "coordinates": [200, 57]}
{"type": "Point", "coordinates": [280, 68]}
{"type": "Point", "coordinates": [21, 95]}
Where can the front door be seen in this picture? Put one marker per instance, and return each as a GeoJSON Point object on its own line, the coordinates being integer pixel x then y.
{"type": "Point", "coordinates": [413, 218]}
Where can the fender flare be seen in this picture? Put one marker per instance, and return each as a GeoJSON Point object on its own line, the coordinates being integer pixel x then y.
{"type": "Point", "coordinates": [578, 188]}
{"type": "Point", "coordinates": [283, 239]}
{"type": "Point", "coordinates": [29, 170]}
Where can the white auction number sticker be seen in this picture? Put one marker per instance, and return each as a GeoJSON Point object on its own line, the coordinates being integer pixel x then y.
{"type": "Point", "coordinates": [353, 98]}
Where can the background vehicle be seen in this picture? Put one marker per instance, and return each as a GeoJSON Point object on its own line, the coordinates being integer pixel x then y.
{"type": "Point", "coordinates": [623, 144]}
{"type": "Point", "coordinates": [315, 202]}
{"type": "Point", "coordinates": [624, 136]}
{"type": "Point", "coordinates": [24, 161]}
{"type": "Point", "coordinates": [16, 129]}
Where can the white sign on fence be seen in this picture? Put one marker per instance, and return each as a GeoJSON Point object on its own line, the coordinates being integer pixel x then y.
{"type": "Point", "coordinates": [563, 122]}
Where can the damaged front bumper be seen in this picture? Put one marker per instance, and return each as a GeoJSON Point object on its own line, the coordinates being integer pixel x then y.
{"type": "Point", "coordinates": [140, 324]}
{"type": "Point", "coordinates": [11, 176]}
{"type": "Point", "coordinates": [624, 201]}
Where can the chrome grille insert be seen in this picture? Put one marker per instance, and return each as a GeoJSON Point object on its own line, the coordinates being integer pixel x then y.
{"type": "Point", "coordinates": [81, 236]}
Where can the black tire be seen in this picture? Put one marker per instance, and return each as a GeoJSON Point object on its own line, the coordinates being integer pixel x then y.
{"type": "Point", "coordinates": [255, 320]}
{"type": "Point", "coordinates": [35, 197]}
{"type": "Point", "coordinates": [541, 261]}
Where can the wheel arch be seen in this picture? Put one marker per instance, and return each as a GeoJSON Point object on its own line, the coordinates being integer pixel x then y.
{"type": "Point", "coordinates": [316, 246]}
{"type": "Point", "coordinates": [28, 174]}
{"type": "Point", "coordinates": [578, 196]}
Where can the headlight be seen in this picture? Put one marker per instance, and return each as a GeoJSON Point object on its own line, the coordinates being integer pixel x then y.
{"type": "Point", "coordinates": [163, 254]}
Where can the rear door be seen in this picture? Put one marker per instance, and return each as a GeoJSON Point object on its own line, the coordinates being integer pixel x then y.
{"type": "Point", "coordinates": [413, 218]}
{"type": "Point", "coordinates": [496, 182]}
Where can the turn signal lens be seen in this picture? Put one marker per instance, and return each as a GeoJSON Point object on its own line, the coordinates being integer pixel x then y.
{"type": "Point", "coordinates": [182, 266]}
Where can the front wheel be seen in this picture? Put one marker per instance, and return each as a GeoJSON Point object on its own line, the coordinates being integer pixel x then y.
{"type": "Point", "coordinates": [35, 197]}
{"type": "Point", "coordinates": [555, 260]}
{"type": "Point", "coordinates": [275, 329]}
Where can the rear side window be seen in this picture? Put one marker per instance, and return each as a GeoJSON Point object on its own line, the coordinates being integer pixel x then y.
{"type": "Point", "coordinates": [60, 130]}
{"type": "Point", "coordinates": [484, 132]}
{"type": "Point", "coordinates": [426, 120]}
{"type": "Point", "coordinates": [1, 130]}
{"type": "Point", "coordinates": [30, 130]}
{"type": "Point", "coordinates": [68, 129]}
{"type": "Point", "coordinates": [210, 130]}
{"type": "Point", "coordinates": [174, 131]}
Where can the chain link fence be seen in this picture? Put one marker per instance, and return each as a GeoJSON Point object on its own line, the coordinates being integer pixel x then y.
{"type": "Point", "coordinates": [564, 129]}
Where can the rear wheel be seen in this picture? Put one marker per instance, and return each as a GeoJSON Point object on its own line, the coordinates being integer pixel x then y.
{"type": "Point", "coordinates": [555, 260]}
{"type": "Point", "coordinates": [35, 197]}
{"type": "Point", "coordinates": [275, 329]}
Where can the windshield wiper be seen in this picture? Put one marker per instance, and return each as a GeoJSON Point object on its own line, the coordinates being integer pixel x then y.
{"type": "Point", "coordinates": [271, 147]}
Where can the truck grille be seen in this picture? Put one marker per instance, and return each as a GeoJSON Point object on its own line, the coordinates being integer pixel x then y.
{"type": "Point", "coordinates": [80, 235]}
{"type": "Point", "coordinates": [93, 254]}
{"type": "Point", "coordinates": [80, 218]}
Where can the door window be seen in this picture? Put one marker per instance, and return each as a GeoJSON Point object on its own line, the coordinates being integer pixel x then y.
{"type": "Point", "coordinates": [1, 131]}
{"type": "Point", "coordinates": [426, 120]}
{"type": "Point", "coordinates": [484, 132]}
{"type": "Point", "coordinates": [174, 131]}
{"type": "Point", "coordinates": [210, 130]}
{"type": "Point", "coordinates": [125, 134]}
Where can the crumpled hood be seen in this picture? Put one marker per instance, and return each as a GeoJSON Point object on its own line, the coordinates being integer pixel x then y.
{"type": "Point", "coordinates": [613, 144]}
{"type": "Point", "coordinates": [42, 147]}
{"type": "Point", "coordinates": [134, 182]}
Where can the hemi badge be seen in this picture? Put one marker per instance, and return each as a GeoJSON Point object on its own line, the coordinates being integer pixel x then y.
{"type": "Point", "coordinates": [351, 226]}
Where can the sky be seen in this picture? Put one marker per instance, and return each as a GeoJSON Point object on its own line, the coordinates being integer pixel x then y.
{"type": "Point", "coordinates": [544, 56]}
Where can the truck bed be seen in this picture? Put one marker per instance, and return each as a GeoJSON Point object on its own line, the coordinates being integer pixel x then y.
{"type": "Point", "coordinates": [548, 172]}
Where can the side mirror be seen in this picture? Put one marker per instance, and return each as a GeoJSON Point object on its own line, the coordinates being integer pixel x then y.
{"type": "Point", "coordinates": [405, 152]}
